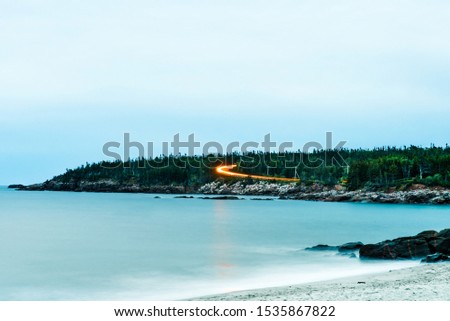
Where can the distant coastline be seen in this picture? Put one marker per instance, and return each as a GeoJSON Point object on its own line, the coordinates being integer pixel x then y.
{"type": "Point", "coordinates": [415, 194]}
{"type": "Point", "coordinates": [407, 175]}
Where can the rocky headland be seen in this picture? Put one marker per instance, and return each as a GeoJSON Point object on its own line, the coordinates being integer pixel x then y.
{"type": "Point", "coordinates": [414, 194]}
{"type": "Point", "coordinates": [102, 186]}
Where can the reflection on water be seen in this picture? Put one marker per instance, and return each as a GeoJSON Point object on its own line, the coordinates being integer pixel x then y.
{"type": "Point", "coordinates": [222, 244]}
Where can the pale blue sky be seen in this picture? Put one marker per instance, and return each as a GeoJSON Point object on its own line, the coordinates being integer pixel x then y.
{"type": "Point", "coordinates": [76, 74]}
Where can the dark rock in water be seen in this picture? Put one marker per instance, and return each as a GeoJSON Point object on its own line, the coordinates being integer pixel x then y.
{"type": "Point", "coordinates": [444, 233]}
{"type": "Point", "coordinates": [412, 248]}
{"type": "Point", "coordinates": [443, 246]}
{"type": "Point", "coordinates": [220, 198]}
{"type": "Point", "coordinates": [184, 196]}
{"type": "Point", "coordinates": [261, 199]}
{"type": "Point", "coordinates": [352, 256]}
{"type": "Point", "coordinates": [157, 197]}
{"type": "Point", "coordinates": [347, 247]}
{"type": "Point", "coordinates": [16, 186]}
{"type": "Point", "coordinates": [433, 243]}
{"type": "Point", "coordinates": [352, 246]}
{"type": "Point", "coordinates": [419, 246]}
{"type": "Point", "coordinates": [401, 248]}
{"type": "Point", "coordinates": [376, 251]}
{"type": "Point", "coordinates": [434, 258]}
{"type": "Point", "coordinates": [427, 234]}
{"type": "Point", "coordinates": [322, 247]}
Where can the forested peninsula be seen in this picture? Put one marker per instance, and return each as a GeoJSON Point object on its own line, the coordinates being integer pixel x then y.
{"type": "Point", "coordinates": [387, 175]}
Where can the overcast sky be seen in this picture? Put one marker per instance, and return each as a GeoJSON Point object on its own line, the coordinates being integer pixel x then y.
{"type": "Point", "coordinates": [77, 74]}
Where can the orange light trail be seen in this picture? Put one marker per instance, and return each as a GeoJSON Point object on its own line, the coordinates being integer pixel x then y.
{"type": "Point", "coordinates": [225, 171]}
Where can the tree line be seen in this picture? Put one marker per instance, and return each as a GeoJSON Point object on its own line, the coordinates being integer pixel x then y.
{"type": "Point", "coordinates": [377, 168]}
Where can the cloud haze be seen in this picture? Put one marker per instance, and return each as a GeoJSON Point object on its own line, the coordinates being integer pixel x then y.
{"type": "Point", "coordinates": [74, 75]}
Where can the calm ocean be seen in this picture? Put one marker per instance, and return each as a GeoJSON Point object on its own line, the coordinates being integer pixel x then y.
{"type": "Point", "coordinates": [94, 246]}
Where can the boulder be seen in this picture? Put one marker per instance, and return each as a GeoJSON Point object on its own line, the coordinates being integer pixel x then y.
{"type": "Point", "coordinates": [427, 234]}
{"type": "Point", "coordinates": [420, 196]}
{"type": "Point", "coordinates": [443, 246]}
{"type": "Point", "coordinates": [401, 248]}
{"type": "Point", "coordinates": [444, 233]}
{"type": "Point", "coordinates": [433, 243]}
{"type": "Point", "coordinates": [352, 246]}
{"type": "Point", "coordinates": [438, 200]}
{"type": "Point", "coordinates": [434, 258]}
{"type": "Point", "coordinates": [322, 247]}
{"type": "Point", "coordinates": [411, 247]}
{"type": "Point", "coordinates": [376, 251]}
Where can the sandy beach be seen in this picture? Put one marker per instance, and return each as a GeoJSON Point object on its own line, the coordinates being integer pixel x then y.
{"type": "Point", "coordinates": [427, 282]}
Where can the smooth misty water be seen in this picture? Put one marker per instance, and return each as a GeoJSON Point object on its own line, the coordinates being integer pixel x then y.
{"type": "Point", "coordinates": [67, 246]}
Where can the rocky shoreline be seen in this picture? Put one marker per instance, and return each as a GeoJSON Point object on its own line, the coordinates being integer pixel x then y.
{"type": "Point", "coordinates": [415, 194]}
{"type": "Point", "coordinates": [422, 282]}
{"type": "Point", "coordinates": [103, 186]}
{"type": "Point", "coordinates": [430, 246]}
